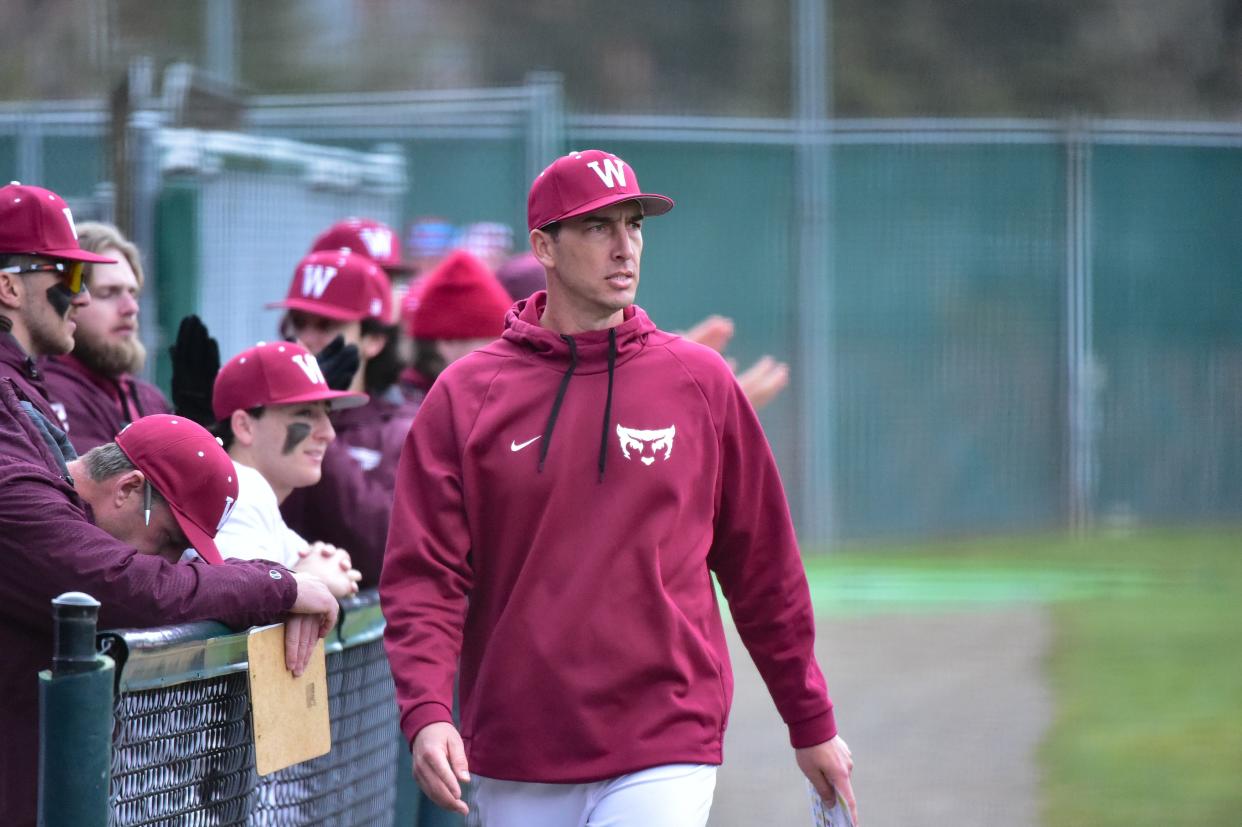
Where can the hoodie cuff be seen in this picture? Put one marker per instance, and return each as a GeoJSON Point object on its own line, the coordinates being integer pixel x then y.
{"type": "Point", "coordinates": [422, 715]}
{"type": "Point", "coordinates": [813, 731]}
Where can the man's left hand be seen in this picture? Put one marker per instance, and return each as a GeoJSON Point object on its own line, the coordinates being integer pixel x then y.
{"type": "Point", "coordinates": [828, 766]}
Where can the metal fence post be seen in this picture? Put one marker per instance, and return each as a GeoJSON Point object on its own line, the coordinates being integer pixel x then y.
{"type": "Point", "coordinates": [815, 388]}
{"type": "Point", "coordinates": [1081, 377]}
{"type": "Point", "coordinates": [134, 119]}
{"type": "Point", "coordinates": [75, 720]}
{"type": "Point", "coordinates": [545, 133]}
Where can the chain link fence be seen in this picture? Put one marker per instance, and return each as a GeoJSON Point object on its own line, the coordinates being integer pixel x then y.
{"type": "Point", "coordinates": [993, 326]}
{"type": "Point", "coordinates": [183, 746]}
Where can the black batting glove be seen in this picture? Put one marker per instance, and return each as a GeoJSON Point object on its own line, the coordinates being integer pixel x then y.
{"type": "Point", "coordinates": [195, 363]}
{"type": "Point", "coordinates": [338, 362]}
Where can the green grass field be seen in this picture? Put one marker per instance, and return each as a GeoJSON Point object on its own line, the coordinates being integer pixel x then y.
{"type": "Point", "coordinates": [1145, 667]}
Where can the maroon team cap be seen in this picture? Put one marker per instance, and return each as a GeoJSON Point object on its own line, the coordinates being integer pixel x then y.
{"type": "Point", "coordinates": [190, 470]}
{"type": "Point", "coordinates": [580, 182]}
{"type": "Point", "coordinates": [275, 373]}
{"type": "Point", "coordinates": [365, 236]}
{"type": "Point", "coordinates": [340, 285]}
{"type": "Point", "coordinates": [35, 221]}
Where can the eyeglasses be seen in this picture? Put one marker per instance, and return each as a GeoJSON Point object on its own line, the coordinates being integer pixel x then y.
{"type": "Point", "coordinates": [70, 272]}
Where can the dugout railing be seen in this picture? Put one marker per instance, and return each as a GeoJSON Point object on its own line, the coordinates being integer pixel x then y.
{"type": "Point", "coordinates": [182, 746]}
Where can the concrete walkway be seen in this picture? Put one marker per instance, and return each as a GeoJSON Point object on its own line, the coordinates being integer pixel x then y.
{"type": "Point", "coordinates": [943, 712]}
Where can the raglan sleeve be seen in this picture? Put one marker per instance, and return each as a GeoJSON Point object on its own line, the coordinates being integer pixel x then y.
{"type": "Point", "coordinates": [427, 573]}
{"type": "Point", "coordinates": [756, 560]}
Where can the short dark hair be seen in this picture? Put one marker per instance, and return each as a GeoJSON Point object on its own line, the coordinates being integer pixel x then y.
{"type": "Point", "coordinates": [384, 368]}
{"type": "Point", "coordinates": [222, 429]}
{"type": "Point", "coordinates": [553, 229]}
{"type": "Point", "coordinates": [427, 359]}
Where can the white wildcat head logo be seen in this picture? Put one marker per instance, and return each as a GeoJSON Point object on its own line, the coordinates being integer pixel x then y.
{"type": "Point", "coordinates": [639, 441]}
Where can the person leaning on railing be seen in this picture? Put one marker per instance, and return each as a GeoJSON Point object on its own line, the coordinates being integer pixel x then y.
{"type": "Point", "coordinates": [114, 524]}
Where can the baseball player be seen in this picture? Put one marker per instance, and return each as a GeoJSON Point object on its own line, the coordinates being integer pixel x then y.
{"type": "Point", "coordinates": [461, 307]}
{"type": "Point", "coordinates": [271, 403]}
{"type": "Point", "coordinates": [41, 291]}
{"type": "Point", "coordinates": [113, 523]}
{"type": "Point", "coordinates": [563, 500]}
{"type": "Point", "coordinates": [93, 388]}
{"type": "Point", "coordinates": [343, 293]}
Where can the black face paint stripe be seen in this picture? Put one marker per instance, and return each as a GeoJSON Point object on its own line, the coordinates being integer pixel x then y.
{"type": "Point", "coordinates": [295, 434]}
{"type": "Point", "coordinates": [60, 298]}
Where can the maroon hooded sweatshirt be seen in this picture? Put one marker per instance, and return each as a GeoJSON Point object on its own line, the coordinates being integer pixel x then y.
{"type": "Point", "coordinates": [49, 544]}
{"type": "Point", "coordinates": [18, 365]}
{"type": "Point", "coordinates": [560, 505]}
{"type": "Point", "coordinates": [93, 408]}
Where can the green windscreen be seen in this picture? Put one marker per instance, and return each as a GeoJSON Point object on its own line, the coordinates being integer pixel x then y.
{"type": "Point", "coordinates": [1168, 330]}
{"type": "Point", "coordinates": [947, 310]}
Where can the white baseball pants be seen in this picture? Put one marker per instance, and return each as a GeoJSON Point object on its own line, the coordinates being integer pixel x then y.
{"type": "Point", "coordinates": [673, 795]}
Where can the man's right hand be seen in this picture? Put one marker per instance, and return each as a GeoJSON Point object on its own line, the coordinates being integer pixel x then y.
{"type": "Point", "coordinates": [313, 615]}
{"type": "Point", "coordinates": [440, 765]}
{"type": "Point", "coordinates": [763, 381]}
{"type": "Point", "coordinates": [332, 565]}
{"type": "Point", "coordinates": [714, 332]}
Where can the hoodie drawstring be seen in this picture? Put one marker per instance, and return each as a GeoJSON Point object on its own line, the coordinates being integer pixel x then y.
{"type": "Point", "coordinates": [560, 397]}
{"type": "Point", "coordinates": [131, 405]}
{"type": "Point", "coordinates": [612, 364]}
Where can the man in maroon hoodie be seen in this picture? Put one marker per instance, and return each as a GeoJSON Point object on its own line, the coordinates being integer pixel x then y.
{"type": "Point", "coordinates": [563, 499]}
{"type": "Point", "coordinates": [41, 290]}
{"type": "Point", "coordinates": [113, 524]}
{"type": "Point", "coordinates": [93, 388]}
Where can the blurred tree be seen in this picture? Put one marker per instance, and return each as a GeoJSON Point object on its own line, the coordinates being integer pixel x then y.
{"type": "Point", "coordinates": [705, 56]}
{"type": "Point", "coordinates": [1130, 58]}
{"type": "Point", "coordinates": [45, 47]}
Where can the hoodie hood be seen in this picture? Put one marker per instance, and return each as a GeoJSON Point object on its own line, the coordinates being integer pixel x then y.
{"type": "Point", "coordinates": [522, 328]}
{"type": "Point", "coordinates": [593, 351]}
{"type": "Point", "coordinates": [21, 367]}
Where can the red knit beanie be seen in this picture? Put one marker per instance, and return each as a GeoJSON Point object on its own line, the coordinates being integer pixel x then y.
{"type": "Point", "coordinates": [459, 299]}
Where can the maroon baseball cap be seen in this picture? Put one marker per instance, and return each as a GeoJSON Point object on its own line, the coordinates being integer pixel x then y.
{"type": "Point", "coordinates": [341, 285]}
{"type": "Point", "coordinates": [35, 221]}
{"type": "Point", "coordinates": [274, 373]}
{"type": "Point", "coordinates": [190, 470]}
{"type": "Point", "coordinates": [580, 182]}
{"type": "Point", "coordinates": [365, 236]}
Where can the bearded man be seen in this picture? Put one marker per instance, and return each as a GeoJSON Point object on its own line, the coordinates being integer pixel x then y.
{"type": "Point", "coordinates": [93, 388]}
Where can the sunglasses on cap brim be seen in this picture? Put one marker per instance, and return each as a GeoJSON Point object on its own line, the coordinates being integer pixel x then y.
{"type": "Point", "coordinates": [70, 272]}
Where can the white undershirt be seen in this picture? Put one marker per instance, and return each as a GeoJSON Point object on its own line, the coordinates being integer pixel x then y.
{"type": "Point", "coordinates": [256, 530]}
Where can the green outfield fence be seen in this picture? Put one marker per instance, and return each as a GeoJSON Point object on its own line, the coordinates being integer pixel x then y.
{"type": "Point", "coordinates": [182, 747]}
{"type": "Point", "coordinates": [993, 326]}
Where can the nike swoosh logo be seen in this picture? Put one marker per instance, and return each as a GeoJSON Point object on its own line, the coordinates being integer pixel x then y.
{"type": "Point", "coordinates": [517, 446]}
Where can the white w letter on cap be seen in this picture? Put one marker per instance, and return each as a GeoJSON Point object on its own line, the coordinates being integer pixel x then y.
{"type": "Point", "coordinates": [378, 241]}
{"type": "Point", "coordinates": [315, 279]}
{"type": "Point", "coordinates": [310, 367]}
{"type": "Point", "coordinates": [69, 217]}
{"type": "Point", "coordinates": [613, 167]}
